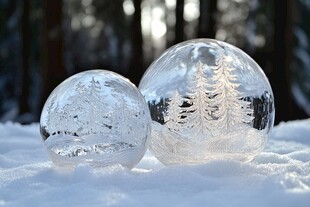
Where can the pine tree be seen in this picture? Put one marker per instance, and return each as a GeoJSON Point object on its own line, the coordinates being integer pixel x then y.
{"type": "Point", "coordinates": [173, 115]}
{"type": "Point", "coordinates": [80, 111]}
{"type": "Point", "coordinates": [121, 118]}
{"type": "Point", "coordinates": [230, 110]}
{"type": "Point", "coordinates": [121, 126]}
{"type": "Point", "coordinates": [197, 117]}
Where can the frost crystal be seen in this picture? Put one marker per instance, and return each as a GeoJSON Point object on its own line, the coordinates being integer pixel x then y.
{"type": "Point", "coordinates": [95, 117]}
{"type": "Point", "coordinates": [208, 100]}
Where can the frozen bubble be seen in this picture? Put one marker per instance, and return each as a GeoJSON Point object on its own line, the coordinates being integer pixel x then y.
{"type": "Point", "coordinates": [208, 100]}
{"type": "Point", "coordinates": [95, 117]}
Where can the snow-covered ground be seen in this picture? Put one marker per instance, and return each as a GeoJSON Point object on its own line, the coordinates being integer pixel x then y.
{"type": "Point", "coordinates": [280, 176]}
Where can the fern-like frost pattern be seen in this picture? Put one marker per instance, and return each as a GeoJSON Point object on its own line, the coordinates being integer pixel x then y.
{"type": "Point", "coordinates": [208, 100]}
{"type": "Point", "coordinates": [95, 117]}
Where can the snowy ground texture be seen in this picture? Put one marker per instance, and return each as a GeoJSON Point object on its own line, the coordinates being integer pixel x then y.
{"type": "Point", "coordinates": [280, 176]}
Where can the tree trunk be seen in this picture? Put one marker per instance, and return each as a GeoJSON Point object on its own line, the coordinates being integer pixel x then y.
{"type": "Point", "coordinates": [179, 24]}
{"type": "Point", "coordinates": [25, 76]}
{"type": "Point", "coordinates": [136, 69]}
{"type": "Point", "coordinates": [280, 77]}
{"type": "Point", "coordinates": [207, 22]}
{"type": "Point", "coordinates": [53, 69]}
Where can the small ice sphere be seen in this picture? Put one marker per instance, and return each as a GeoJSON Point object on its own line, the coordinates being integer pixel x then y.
{"type": "Point", "coordinates": [95, 117]}
{"type": "Point", "coordinates": [208, 100]}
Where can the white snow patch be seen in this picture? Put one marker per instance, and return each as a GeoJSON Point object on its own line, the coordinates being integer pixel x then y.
{"type": "Point", "coordinates": [279, 176]}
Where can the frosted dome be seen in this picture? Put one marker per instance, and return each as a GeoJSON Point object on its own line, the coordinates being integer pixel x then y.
{"type": "Point", "coordinates": [208, 100]}
{"type": "Point", "coordinates": [96, 117]}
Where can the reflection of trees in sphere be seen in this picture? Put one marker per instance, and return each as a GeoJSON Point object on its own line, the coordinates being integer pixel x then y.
{"type": "Point", "coordinates": [208, 100]}
{"type": "Point", "coordinates": [96, 117]}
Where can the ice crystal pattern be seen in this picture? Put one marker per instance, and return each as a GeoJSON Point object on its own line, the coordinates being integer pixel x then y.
{"type": "Point", "coordinates": [208, 100]}
{"type": "Point", "coordinates": [95, 117]}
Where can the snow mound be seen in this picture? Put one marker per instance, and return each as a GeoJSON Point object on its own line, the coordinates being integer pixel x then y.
{"type": "Point", "coordinates": [279, 176]}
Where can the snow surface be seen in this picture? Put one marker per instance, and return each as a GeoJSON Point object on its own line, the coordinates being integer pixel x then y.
{"type": "Point", "coordinates": [280, 176]}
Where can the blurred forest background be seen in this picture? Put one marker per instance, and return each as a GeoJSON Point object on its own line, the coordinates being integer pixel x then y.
{"type": "Point", "coordinates": [43, 41]}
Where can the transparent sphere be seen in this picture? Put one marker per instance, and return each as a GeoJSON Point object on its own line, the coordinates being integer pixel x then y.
{"type": "Point", "coordinates": [208, 100]}
{"type": "Point", "coordinates": [96, 117]}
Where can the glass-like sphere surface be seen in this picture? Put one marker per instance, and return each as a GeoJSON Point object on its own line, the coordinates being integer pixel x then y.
{"type": "Point", "coordinates": [208, 100]}
{"type": "Point", "coordinates": [96, 117]}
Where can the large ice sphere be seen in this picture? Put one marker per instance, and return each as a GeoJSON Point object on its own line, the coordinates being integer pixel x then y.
{"type": "Point", "coordinates": [208, 100]}
{"type": "Point", "coordinates": [96, 117]}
